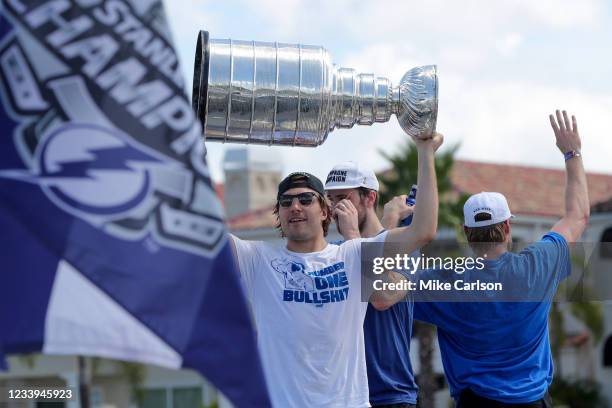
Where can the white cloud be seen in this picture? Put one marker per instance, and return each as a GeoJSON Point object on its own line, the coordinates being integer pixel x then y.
{"type": "Point", "coordinates": [507, 46]}
{"type": "Point", "coordinates": [281, 16]}
{"type": "Point", "coordinates": [563, 13]}
{"type": "Point", "coordinates": [392, 19]}
{"type": "Point", "coordinates": [383, 59]}
{"type": "Point", "coordinates": [508, 122]}
{"type": "Point", "coordinates": [185, 23]}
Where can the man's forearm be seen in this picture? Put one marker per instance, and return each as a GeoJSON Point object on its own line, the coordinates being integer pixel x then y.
{"type": "Point", "coordinates": [576, 190]}
{"type": "Point", "coordinates": [425, 219]}
{"type": "Point", "coordinates": [385, 297]}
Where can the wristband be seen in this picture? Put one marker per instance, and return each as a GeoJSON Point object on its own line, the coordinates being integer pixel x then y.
{"type": "Point", "coordinates": [571, 154]}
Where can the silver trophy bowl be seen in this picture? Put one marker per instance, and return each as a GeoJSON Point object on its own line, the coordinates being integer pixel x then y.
{"type": "Point", "coordinates": [292, 95]}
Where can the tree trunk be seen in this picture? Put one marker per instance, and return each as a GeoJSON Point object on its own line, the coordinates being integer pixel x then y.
{"type": "Point", "coordinates": [426, 378]}
{"type": "Point", "coordinates": [557, 337]}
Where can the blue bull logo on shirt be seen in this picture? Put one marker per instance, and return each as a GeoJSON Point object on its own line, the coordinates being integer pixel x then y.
{"type": "Point", "coordinates": [326, 285]}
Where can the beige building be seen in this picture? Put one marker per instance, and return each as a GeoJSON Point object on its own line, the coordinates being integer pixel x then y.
{"type": "Point", "coordinates": [111, 384]}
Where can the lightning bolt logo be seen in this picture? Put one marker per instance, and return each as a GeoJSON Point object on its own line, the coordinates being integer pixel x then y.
{"type": "Point", "coordinates": [90, 168]}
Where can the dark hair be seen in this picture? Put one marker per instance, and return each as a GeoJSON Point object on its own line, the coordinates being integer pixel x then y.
{"type": "Point", "coordinates": [325, 223]}
{"type": "Point", "coordinates": [363, 192]}
{"type": "Point", "coordinates": [483, 238]}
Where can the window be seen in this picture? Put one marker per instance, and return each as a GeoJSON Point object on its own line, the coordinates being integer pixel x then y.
{"type": "Point", "coordinates": [154, 398]}
{"type": "Point", "coordinates": [179, 397]}
{"type": "Point", "coordinates": [187, 397]}
{"type": "Point", "coordinates": [607, 353]}
{"type": "Point", "coordinates": [605, 249]}
{"type": "Point", "coordinates": [96, 397]}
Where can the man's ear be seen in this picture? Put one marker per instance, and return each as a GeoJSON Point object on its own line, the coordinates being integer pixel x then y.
{"type": "Point", "coordinates": [371, 198]}
{"type": "Point", "coordinates": [324, 210]}
{"type": "Point", "coordinates": [507, 228]}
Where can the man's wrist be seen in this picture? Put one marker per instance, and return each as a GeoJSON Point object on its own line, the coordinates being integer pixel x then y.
{"type": "Point", "coordinates": [389, 221]}
{"type": "Point", "coordinates": [391, 216]}
{"type": "Point", "coordinates": [571, 154]}
{"type": "Point", "coordinates": [351, 235]}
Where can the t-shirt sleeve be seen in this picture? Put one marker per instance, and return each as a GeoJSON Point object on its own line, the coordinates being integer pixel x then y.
{"type": "Point", "coordinates": [424, 312]}
{"type": "Point", "coordinates": [353, 255]}
{"type": "Point", "coordinates": [425, 302]}
{"type": "Point", "coordinates": [548, 262]}
{"type": "Point", "coordinates": [246, 253]}
{"type": "Point", "coordinates": [564, 265]}
{"type": "Point", "coordinates": [353, 248]}
{"type": "Point", "coordinates": [377, 242]}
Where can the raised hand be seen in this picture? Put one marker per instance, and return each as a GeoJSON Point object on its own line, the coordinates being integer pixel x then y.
{"type": "Point", "coordinates": [435, 141]}
{"type": "Point", "coordinates": [394, 211]}
{"type": "Point", "coordinates": [566, 133]}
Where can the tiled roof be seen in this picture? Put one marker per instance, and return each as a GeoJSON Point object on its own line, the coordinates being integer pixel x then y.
{"type": "Point", "coordinates": [261, 218]}
{"type": "Point", "coordinates": [529, 190]}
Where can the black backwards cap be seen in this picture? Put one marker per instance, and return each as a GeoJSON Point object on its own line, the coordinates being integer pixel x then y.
{"type": "Point", "coordinates": [300, 179]}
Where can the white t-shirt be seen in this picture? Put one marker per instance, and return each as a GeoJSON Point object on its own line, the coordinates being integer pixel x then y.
{"type": "Point", "coordinates": [309, 318]}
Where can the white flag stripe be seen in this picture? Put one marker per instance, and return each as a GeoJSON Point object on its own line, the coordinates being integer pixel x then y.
{"type": "Point", "coordinates": [84, 320]}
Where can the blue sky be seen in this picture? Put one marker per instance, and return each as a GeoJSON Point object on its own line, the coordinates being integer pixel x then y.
{"type": "Point", "coordinates": [503, 66]}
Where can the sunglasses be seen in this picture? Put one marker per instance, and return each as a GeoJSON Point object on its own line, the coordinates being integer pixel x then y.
{"type": "Point", "coordinates": [305, 199]}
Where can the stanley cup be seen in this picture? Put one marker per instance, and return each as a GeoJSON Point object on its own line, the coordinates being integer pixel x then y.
{"type": "Point", "coordinates": [292, 95]}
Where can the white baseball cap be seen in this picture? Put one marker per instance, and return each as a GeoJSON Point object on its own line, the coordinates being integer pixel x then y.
{"type": "Point", "coordinates": [350, 175]}
{"type": "Point", "coordinates": [483, 209]}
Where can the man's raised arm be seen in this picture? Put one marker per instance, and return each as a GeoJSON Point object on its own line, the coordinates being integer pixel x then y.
{"type": "Point", "coordinates": [405, 240]}
{"type": "Point", "coordinates": [425, 219]}
{"type": "Point", "coordinates": [577, 210]}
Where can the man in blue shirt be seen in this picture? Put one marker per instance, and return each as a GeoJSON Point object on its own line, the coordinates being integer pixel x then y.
{"type": "Point", "coordinates": [387, 333]}
{"type": "Point", "coordinates": [497, 354]}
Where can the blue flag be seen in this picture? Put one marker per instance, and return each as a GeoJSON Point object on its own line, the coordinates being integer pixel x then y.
{"type": "Point", "coordinates": [113, 241]}
{"type": "Point", "coordinates": [3, 365]}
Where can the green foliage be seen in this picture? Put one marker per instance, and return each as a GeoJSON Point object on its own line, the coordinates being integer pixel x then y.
{"type": "Point", "coordinates": [589, 313]}
{"type": "Point", "coordinates": [28, 360]}
{"type": "Point", "coordinates": [404, 163]}
{"type": "Point", "coordinates": [135, 375]}
{"type": "Point", "coordinates": [577, 393]}
{"type": "Point", "coordinates": [557, 333]}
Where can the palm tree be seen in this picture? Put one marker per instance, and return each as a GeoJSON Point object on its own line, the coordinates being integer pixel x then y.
{"type": "Point", "coordinates": [590, 313]}
{"type": "Point", "coordinates": [398, 181]}
{"type": "Point", "coordinates": [576, 392]}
